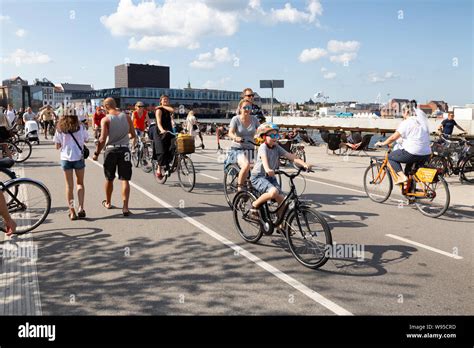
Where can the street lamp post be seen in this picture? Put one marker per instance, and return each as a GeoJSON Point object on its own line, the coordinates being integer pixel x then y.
{"type": "Point", "coordinates": [272, 84]}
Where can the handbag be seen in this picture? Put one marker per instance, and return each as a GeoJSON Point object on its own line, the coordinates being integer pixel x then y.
{"type": "Point", "coordinates": [85, 151]}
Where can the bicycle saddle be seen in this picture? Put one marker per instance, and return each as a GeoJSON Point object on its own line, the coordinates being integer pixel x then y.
{"type": "Point", "coordinates": [6, 163]}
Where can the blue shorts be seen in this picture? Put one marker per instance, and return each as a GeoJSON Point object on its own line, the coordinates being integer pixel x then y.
{"type": "Point", "coordinates": [69, 165]}
{"type": "Point", "coordinates": [234, 154]}
{"type": "Point", "coordinates": [264, 184]}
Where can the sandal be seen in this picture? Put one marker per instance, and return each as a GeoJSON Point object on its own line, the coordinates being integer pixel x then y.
{"type": "Point", "coordinates": [72, 216]}
{"type": "Point", "coordinates": [126, 213]}
{"type": "Point", "coordinates": [104, 204]}
{"type": "Point", "coordinates": [81, 214]}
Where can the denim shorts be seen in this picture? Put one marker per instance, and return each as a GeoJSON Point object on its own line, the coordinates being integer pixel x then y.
{"type": "Point", "coordinates": [68, 165]}
{"type": "Point", "coordinates": [234, 154]}
{"type": "Point", "coordinates": [264, 184]}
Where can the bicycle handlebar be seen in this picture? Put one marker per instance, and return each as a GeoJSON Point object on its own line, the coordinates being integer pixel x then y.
{"type": "Point", "coordinates": [294, 175]}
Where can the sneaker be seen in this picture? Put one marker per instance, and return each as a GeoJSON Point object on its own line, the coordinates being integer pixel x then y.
{"type": "Point", "coordinates": [254, 213]}
{"type": "Point", "coordinates": [401, 179]}
{"type": "Point", "coordinates": [159, 176]}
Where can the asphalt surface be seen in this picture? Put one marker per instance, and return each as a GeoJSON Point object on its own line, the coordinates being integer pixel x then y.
{"type": "Point", "coordinates": [179, 253]}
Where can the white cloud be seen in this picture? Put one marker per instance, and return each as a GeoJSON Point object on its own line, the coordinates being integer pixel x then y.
{"type": "Point", "coordinates": [329, 75]}
{"type": "Point", "coordinates": [323, 69]}
{"type": "Point", "coordinates": [153, 25]}
{"type": "Point", "coordinates": [311, 54]}
{"type": "Point", "coordinates": [375, 78]}
{"type": "Point", "coordinates": [289, 14]}
{"type": "Point", "coordinates": [21, 57]}
{"type": "Point", "coordinates": [216, 84]}
{"type": "Point", "coordinates": [345, 57]}
{"type": "Point", "coordinates": [175, 23]}
{"type": "Point", "coordinates": [210, 59]}
{"type": "Point", "coordinates": [341, 46]}
{"type": "Point", "coordinates": [154, 62]}
{"type": "Point", "coordinates": [4, 18]}
{"type": "Point", "coordinates": [20, 33]}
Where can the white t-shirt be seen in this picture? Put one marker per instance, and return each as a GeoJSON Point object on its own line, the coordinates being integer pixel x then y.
{"type": "Point", "coordinates": [190, 121]}
{"type": "Point", "coordinates": [416, 139]}
{"type": "Point", "coordinates": [11, 117]}
{"type": "Point", "coordinates": [69, 149]}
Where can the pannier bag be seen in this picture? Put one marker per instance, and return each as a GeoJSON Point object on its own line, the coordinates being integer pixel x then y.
{"type": "Point", "coordinates": [185, 143]}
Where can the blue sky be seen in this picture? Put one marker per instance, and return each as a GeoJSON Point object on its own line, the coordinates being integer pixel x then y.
{"type": "Point", "coordinates": [424, 52]}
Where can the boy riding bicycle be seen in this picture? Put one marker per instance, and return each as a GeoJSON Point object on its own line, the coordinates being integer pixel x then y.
{"type": "Point", "coordinates": [268, 160]}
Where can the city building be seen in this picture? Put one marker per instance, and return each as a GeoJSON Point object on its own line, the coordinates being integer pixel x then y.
{"type": "Point", "coordinates": [206, 103]}
{"type": "Point", "coordinates": [438, 105]}
{"type": "Point", "coordinates": [142, 75]}
{"type": "Point", "coordinates": [13, 92]}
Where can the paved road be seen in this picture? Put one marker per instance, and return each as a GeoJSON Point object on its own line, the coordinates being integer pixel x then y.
{"type": "Point", "coordinates": [180, 254]}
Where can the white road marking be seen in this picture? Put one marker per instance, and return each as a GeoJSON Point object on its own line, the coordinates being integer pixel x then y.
{"type": "Point", "coordinates": [209, 176]}
{"type": "Point", "coordinates": [427, 247]}
{"type": "Point", "coordinates": [206, 156]}
{"type": "Point", "coordinates": [313, 295]}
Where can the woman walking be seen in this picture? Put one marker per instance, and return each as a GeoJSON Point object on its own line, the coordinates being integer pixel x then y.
{"type": "Point", "coordinates": [70, 138]}
{"type": "Point", "coordinates": [193, 128]}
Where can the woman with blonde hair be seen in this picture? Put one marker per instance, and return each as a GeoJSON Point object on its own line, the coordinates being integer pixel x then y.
{"type": "Point", "coordinates": [192, 127]}
{"type": "Point", "coordinates": [70, 138]}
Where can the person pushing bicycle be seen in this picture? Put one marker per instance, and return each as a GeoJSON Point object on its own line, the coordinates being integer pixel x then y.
{"type": "Point", "coordinates": [268, 160]}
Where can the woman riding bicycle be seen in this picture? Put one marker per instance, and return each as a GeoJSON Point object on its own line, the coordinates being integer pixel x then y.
{"type": "Point", "coordinates": [163, 136]}
{"type": "Point", "coordinates": [416, 148]}
{"type": "Point", "coordinates": [242, 129]}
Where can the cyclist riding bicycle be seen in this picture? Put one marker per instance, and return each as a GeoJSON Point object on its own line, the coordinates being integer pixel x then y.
{"type": "Point", "coordinates": [416, 142]}
{"type": "Point", "coordinates": [268, 160]}
{"type": "Point", "coordinates": [242, 131]}
{"type": "Point", "coordinates": [140, 119]}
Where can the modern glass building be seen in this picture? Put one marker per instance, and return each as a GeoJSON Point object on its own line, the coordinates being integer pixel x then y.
{"type": "Point", "coordinates": [206, 103]}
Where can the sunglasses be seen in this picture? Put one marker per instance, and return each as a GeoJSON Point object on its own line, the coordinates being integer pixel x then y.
{"type": "Point", "coordinates": [247, 108]}
{"type": "Point", "coordinates": [250, 95]}
{"type": "Point", "coordinates": [274, 136]}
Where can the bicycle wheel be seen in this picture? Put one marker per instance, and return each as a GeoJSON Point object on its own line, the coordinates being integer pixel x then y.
{"type": "Point", "coordinates": [30, 206]}
{"type": "Point", "coordinates": [146, 160]}
{"type": "Point", "coordinates": [440, 163]}
{"type": "Point", "coordinates": [231, 176]}
{"type": "Point", "coordinates": [309, 237]}
{"type": "Point", "coordinates": [186, 173]}
{"type": "Point", "coordinates": [5, 175]}
{"type": "Point", "coordinates": [24, 150]}
{"type": "Point", "coordinates": [249, 227]}
{"type": "Point", "coordinates": [163, 178]}
{"type": "Point", "coordinates": [437, 198]}
{"type": "Point", "coordinates": [377, 190]}
{"type": "Point", "coordinates": [136, 157]}
{"type": "Point", "coordinates": [467, 170]}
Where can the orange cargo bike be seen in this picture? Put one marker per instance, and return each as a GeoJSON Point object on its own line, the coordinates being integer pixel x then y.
{"type": "Point", "coordinates": [426, 188]}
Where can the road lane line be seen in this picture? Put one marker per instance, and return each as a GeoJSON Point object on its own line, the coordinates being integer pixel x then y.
{"type": "Point", "coordinates": [425, 246]}
{"type": "Point", "coordinates": [313, 295]}
{"type": "Point", "coordinates": [206, 156]}
{"type": "Point", "coordinates": [209, 176]}
{"type": "Point", "coordinates": [327, 184]}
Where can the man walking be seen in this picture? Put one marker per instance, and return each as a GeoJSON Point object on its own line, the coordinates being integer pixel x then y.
{"type": "Point", "coordinates": [117, 130]}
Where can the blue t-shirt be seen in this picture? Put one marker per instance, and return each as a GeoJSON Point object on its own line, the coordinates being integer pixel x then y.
{"type": "Point", "coordinates": [448, 126]}
{"type": "Point", "coordinates": [246, 133]}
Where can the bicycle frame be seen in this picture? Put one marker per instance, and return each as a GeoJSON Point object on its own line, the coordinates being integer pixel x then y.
{"type": "Point", "coordinates": [404, 188]}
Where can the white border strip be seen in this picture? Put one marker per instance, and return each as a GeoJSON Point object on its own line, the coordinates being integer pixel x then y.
{"type": "Point", "coordinates": [209, 176]}
{"type": "Point", "coordinates": [313, 295]}
{"type": "Point", "coordinates": [427, 247]}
